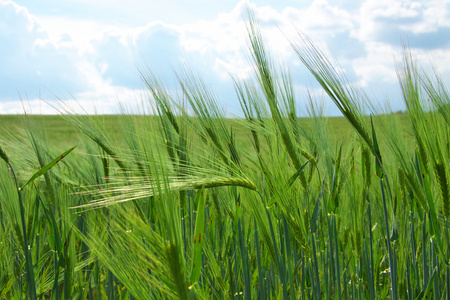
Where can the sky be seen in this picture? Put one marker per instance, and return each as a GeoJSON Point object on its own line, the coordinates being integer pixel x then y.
{"type": "Point", "coordinates": [90, 53]}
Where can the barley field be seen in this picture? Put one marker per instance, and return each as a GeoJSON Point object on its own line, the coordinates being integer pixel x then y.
{"type": "Point", "coordinates": [181, 202]}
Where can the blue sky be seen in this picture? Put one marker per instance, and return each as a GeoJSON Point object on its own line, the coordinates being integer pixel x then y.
{"type": "Point", "coordinates": [90, 51]}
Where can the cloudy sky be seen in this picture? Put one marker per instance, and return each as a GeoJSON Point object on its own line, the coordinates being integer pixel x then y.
{"type": "Point", "coordinates": [91, 50]}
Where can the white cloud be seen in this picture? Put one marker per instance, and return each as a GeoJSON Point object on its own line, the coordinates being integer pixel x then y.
{"type": "Point", "coordinates": [79, 33]}
{"type": "Point", "coordinates": [321, 17]}
{"type": "Point", "coordinates": [401, 17]}
{"type": "Point", "coordinates": [377, 65]}
{"type": "Point", "coordinates": [35, 106]}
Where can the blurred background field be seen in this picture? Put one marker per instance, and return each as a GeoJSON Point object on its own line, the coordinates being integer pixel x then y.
{"type": "Point", "coordinates": [61, 132]}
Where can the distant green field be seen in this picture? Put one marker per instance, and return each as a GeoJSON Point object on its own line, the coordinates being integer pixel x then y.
{"type": "Point", "coordinates": [60, 131]}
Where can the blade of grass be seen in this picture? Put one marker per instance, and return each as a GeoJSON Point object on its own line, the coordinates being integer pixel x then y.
{"type": "Point", "coordinates": [47, 167]}
{"type": "Point", "coordinates": [199, 232]}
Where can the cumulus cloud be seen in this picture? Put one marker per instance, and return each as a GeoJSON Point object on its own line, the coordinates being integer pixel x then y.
{"type": "Point", "coordinates": [29, 64]}
{"type": "Point", "coordinates": [423, 24]}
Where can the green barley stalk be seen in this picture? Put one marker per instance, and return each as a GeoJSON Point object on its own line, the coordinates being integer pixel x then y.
{"type": "Point", "coordinates": [408, 77]}
{"type": "Point", "coordinates": [242, 92]}
{"type": "Point", "coordinates": [392, 273]}
{"type": "Point", "coordinates": [266, 77]}
{"type": "Point", "coordinates": [366, 166]}
{"type": "Point", "coordinates": [440, 97]}
{"type": "Point", "coordinates": [344, 96]}
{"type": "Point", "coordinates": [31, 284]}
{"type": "Point", "coordinates": [381, 174]}
{"type": "Point", "coordinates": [163, 100]}
{"type": "Point", "coordinates": [424, 122]}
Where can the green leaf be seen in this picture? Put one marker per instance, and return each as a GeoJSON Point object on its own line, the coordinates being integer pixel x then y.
{"type": "Point", "coordinates": [54, 240]}
{"type": "Point", "coordinates": [378, 161]}
{"type": "Point", "coordinates": [47, 167]}
{"type": "Point", "coordinates": [394, 234]}
{"type": "Point", "coordinates": [424, 293]}
{"type": "Point", "coordinates": [295, 176]}
{"type": "Point", "coordinates": [288, 184]}
{"type": "Point", "coordinates": [334, 202]}
{"type": "Point", "coordinates": [198, 235]}
{"type": "Point", "coordinates": [316, 211]}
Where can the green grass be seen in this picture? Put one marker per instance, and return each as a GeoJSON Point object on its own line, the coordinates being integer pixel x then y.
{"type": "Point", "coordinates": [182, 205]}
